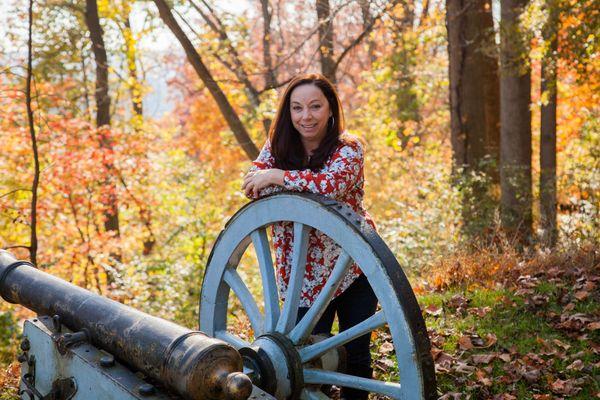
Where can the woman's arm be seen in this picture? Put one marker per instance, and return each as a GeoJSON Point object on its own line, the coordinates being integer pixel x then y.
{"type": "Point", "coordinates": [262, 179]}
{"type": "Point", "coordinates": [344, 172]}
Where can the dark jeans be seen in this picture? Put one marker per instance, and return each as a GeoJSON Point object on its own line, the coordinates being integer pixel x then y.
{"type": "Point", "coordinates": [354, 305]}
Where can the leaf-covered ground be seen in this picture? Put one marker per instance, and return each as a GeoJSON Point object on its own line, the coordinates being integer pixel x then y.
{"type": "Point", "coordinates": [535, 336]}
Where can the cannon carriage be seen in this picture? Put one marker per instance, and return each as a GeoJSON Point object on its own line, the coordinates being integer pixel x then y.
{"type": "Point", "coordinates": [84, 346]}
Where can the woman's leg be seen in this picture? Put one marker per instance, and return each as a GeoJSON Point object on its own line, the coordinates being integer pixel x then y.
{"type": "Point", "coordinates": [325, 322]}
{"type": "Point", "coordinates": [354, 305]}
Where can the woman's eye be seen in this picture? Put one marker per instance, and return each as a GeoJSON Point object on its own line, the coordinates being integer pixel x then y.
{"type": "Point", "coordinates": [297, 109]}
{"type": "Point", "coordinates": [316, 107]}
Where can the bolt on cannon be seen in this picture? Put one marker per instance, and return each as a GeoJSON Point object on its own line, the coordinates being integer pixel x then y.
{"type": "Point", "coordinates": [84, 346]}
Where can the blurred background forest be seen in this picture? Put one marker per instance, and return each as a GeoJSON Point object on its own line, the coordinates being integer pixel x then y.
{"type": "Point", "coordinates": [126, 127]}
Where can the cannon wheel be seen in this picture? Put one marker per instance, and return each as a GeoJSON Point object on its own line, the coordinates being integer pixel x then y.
{"type": "Point", "coordinates": [287, 346]}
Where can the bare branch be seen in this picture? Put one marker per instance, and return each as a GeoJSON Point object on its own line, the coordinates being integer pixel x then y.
{"type": "Point", "coordinates": [363, 34]}
{"type": "Point", "coordinates": [16, 246]}
{"type": "Point", "coordinates": [15, 191]}
{"type": "Point", "coordinates": [238, 70]}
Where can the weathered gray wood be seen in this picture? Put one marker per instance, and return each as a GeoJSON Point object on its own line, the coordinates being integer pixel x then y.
{"type": "Point", "coordinates": [360, 244]}
{"type": "Point", "coordinates": [310, 319]}
{"type": "Point", "coordinates": [267, 273]}
{"type": "Point", "coordinates": [290, 307]}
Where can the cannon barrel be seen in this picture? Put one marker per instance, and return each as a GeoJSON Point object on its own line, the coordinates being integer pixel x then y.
{"type": "Point", "coordinates": [190, 362]}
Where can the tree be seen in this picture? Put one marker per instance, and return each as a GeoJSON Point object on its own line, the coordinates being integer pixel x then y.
{"type": "Point", "coordinates": [367, 17]}
{"type": "Point", "coordinates": [474, 107]}
{"type": "Point", "coordinates": [134, 85]}
{"type": "Point", "coordinates": [111, 214]}
{"type": "Point", "coordinates": [234, 122]}
{"type": "Point", "coordinates": [515, 124]}
{"type": "Point", "coordinates": [325, 29]}
{"type": "Point", "coordinates": [548, 127]}
{"type": "Point", "coordinates": [33, 246]}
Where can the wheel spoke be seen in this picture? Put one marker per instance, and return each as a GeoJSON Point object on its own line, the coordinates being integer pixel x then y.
{"type": "Point", "coordinates": [292, 298]}
{"type": "Point", "coordinates": [308, 322]}
{"type": "Point", "coordinates": [265, 262]}
{"type": "Point", "coordinates": [313, 351]}
{"type": "Point", "coordinates": [235, 282]}
{"type": "Point", "coordinates": [318, 376]}
{"type": "Point", "coordinates": [233, 340]}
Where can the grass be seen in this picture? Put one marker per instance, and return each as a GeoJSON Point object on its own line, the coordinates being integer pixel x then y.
{"type": "Point", "coordinates": [534, 336]}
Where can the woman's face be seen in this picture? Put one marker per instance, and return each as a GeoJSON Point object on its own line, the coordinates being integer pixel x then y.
{"type": "Point", "coordinates": [310, 113]}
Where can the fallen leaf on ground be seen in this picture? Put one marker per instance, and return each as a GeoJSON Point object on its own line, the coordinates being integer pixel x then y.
{"type": "Point", "coordinates": [581, 295]}
{"type": "Point", "coordinates": [504, 396]}
{"type": "Point", "coordinates": [464, 343]}
{"type": "Point", "coordinates": [577, 365]}
{"type": "Point", "coordinates": [480, 311]}
{"type": "Point", "coordinates": [483, 358]}
{"type": "Point", "coordinates": [386, 347]}
{"type": "Point", "coordinates": [567, 387]}
{"type": "Point", "coordinates": [433, 310]}
{"type": "Point", "coordinates": [593, 326]}
{"type": "Point", "coordinates": [531, 375]}
{"type": "Point", "coordinates": [561, 344]}
{"type": "Point", "coordinates": [482, 378]}
{"type": "Point", "coordinates": [451, 396]}
{"type": "Point", "coordinates": [464, 368]}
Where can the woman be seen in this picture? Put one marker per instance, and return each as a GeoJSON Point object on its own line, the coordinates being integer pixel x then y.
{"type": "Point", "coordinates": [308, 152]}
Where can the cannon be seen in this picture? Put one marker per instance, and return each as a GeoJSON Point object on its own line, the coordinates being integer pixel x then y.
{"type": "Point", "coordinates": [84, 346]}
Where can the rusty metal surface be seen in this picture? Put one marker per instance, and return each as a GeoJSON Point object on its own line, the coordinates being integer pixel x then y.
{"type": "Point", "coordinates": [81, 362]}
{"type": "Point", "coordinates": [195, 365]}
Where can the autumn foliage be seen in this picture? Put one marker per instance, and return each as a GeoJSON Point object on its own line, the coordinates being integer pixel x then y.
{"type": "Point", "coordinates": [178, 171]}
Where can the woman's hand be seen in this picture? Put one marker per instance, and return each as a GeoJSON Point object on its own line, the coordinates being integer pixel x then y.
{"type": "Point", "coordinates": [257, 180]}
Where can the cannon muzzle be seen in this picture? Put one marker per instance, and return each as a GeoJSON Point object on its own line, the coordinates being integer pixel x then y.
{"type": "Point", "coordinates": [190, 362]}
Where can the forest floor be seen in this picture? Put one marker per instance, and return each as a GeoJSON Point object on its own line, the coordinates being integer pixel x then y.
{"type": "Point", "coordinates": [529, 331]}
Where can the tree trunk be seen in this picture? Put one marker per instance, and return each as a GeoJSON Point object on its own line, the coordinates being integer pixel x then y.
{"type": "Point", "coordinates": [515, 125]}
{"type": "Point", "coordinates": [239, 131]}
{"type": "Point", "coordinates": [325, 29]}
{"type": "Point", "coordinates": [134, 86]}
{"type": "Point", "coordinates": [135, 89]}
{"type": "Point", "coordinates": [474, 109]}
{"type": "Point", "coordinates": [270, 78]}
{"type": "Point", "coordinates": [111, 213]}
{"type": "Point", "coordinates": [367, 22]}
{"type": "Point", "coordinates": [548, 129]}
{"type": "Point", "coordinates": [33, 246]}
{"type": "Point", "coordinates": [474, 84]}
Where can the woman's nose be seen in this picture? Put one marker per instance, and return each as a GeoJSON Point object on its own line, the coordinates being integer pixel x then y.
{"type": "Point", "coordinates": [306, 114]}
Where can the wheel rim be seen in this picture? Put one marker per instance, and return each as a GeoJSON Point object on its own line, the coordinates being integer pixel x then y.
{"type": "Point", "coordinates": [359, 243]}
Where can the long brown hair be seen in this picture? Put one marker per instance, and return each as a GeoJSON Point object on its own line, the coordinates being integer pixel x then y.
{"type": "Point", "coordinates": [286, 145]}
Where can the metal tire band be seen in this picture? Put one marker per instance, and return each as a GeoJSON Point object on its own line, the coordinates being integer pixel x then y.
{"type": "Point", "coordinates": [8, 270]}
{"type": "Point", "coordinates": [173, 345]}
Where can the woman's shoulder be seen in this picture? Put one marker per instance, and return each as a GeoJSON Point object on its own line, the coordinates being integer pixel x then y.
{"type": "Point", "coordinates": [350, 143]}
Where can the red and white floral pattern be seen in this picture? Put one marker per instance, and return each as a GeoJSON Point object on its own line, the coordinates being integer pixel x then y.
{"type": "Point", "coordinates": [340, 178]}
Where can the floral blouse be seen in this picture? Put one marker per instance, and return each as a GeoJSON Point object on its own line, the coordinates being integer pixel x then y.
{"type": "Point", "coordinates": [340, 178]}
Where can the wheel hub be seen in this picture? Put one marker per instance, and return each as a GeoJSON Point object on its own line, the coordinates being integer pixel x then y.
{"type": "Point", "coordinates": [274, 365]}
